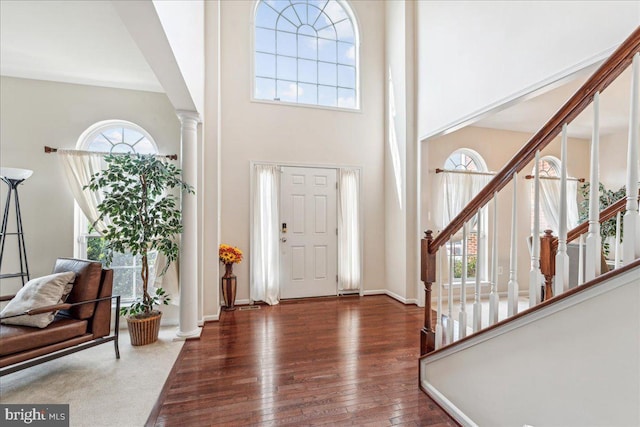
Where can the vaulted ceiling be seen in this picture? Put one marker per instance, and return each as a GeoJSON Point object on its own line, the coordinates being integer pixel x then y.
{"type": "Point", "coordinates": [86, 42]}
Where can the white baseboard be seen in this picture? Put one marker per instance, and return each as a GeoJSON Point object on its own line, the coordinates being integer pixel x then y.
{"type": "Point", "coordinates": [212, 317]}
{"type": "Point", "coordinates": [392, 295]}
{"type": "Point", "coordinates": [448, 406]}
{"type": "Point", "coordinates": [243, 302]}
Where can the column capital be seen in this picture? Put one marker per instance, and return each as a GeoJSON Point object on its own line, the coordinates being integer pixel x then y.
{"type": "Point", "coordinates": [188, 115]}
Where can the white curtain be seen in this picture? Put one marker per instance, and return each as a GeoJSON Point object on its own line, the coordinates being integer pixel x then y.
{"type": "Point", "coordinates": [550, 204]}
{"type": "Point", "coordinates": [349, 253]}
{"type": "Point", "coordinates": [459, 189]}
{"type": "Point", "coordinates": [78, 167]}
{"type": "Point", "coordinates": [265, 260]}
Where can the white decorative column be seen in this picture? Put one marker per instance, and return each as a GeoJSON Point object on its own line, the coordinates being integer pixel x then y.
{"type": "Point", "coordinates": [188, 326]}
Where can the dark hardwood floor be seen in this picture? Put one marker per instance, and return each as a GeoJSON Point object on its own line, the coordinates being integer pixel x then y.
{"type": "Point", "coordinates": [332, 361]}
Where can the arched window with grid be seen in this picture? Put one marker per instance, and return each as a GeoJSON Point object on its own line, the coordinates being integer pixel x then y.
{"type": "Point", "coordinates": [306, 52]}
{"type": "Point", "coordinates": [116, 137]}
{"type": "Point", "coordinates": [465, 174]}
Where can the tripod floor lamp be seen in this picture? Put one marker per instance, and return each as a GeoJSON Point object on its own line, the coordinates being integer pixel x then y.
{"type": "Point", "coordinates": [14, 177]}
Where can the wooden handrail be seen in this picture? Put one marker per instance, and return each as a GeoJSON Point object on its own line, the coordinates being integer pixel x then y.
{"type": "Point", "coordinates": [600, 80]}
{"type": "Point", "coordinates": [605, 215]}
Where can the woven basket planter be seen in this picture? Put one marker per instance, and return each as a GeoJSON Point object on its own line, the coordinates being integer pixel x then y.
{"type": "Point", "coordinates": [144, 331]}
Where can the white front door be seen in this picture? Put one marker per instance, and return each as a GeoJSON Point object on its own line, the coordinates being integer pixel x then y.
{"type": "Point", "coordinates": [308, 232]}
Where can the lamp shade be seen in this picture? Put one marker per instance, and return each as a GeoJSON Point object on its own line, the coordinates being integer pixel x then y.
{"type": "Point", "coordinates": [15, 173]}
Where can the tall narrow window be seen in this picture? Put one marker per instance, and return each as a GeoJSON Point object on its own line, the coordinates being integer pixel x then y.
{"type": "Point", "coordinates": [463, 178]}
{"type": "Point", "coordinates": [549, 167]}
{"type": "Point", "coordinates": [306, 52]}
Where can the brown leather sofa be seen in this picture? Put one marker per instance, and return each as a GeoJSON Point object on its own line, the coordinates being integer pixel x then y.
{"type": "Point", "coordinates": [84, 320]}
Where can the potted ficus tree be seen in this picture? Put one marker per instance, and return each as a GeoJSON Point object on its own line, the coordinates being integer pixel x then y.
{"type": "Point", "coordinates": [141, 216]}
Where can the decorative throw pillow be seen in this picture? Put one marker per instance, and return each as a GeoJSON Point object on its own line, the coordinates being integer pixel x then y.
{"type": "Point", "coordinates": [37, 293]}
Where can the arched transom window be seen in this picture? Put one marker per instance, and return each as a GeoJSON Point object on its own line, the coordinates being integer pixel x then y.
{"type": "Point", "coordinates": [306, 52]}
{"type": "Point", "coordinates": [549, 166]}
{"type": "Point", "coordinates": [117, 136]}
{"type": "Point", "coordinates": [465, 159]}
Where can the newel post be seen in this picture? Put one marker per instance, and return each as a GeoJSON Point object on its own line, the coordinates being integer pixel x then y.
{"type": "Point", "coordinates": [547, 262]}
{"type": "Point", "coordinates": [428, 276]}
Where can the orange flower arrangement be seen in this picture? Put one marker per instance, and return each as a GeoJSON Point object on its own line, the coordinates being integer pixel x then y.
{"type": "Point", "coordinates": [229, 254]}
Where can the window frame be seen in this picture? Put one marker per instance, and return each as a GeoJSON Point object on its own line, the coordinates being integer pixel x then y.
{"type": "Point", "coordinates": [80, 222]}
{"type": "Point", "coordinates": [480, 166]}
{"type": "Point", "coordinates": [356, 34]}
{"type": "Point", "coordinates": [554, 164]}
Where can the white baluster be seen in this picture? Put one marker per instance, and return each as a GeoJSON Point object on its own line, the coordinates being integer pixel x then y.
{"type": "Point", "coordinates": [477, 306]}
{"type": "Point", "coordinates": [494, 299]}
{"type": "Point", "coordinates": [534, 272]}
{"type": "Point", "coordinates": [594, 241]}
{"type": "Point", "coordinates": [462, 320]}
{"type": "Point", "coordinates": [616, 263]}
{"type": "Point", "coordinates": [512, 291]}
{"type": "Point", "coordinates": [581, 260]}
{"type": "Point", "coordinates": [562, 259]}
{"type": "Point", "coordinates": [450, 294]}
{"type": "Point", "coordinates": [631, 246]}
{"type": "Point", "coordinates": [439, 309]}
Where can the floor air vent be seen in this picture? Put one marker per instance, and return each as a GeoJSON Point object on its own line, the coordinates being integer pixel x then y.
{"type": "Point", "coordinates": [249, 307]}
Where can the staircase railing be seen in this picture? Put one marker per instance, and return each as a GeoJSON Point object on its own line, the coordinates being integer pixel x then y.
{"type": "Point", "coordinates": [626, 54]}
{"type": "Point", "coordinates": [549, 246]}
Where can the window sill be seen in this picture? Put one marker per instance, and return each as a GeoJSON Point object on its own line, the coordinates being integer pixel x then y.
{"type": "Point", "coordinates": [471, 281]}
{"type": "Point", "coordinates": [317, 107]}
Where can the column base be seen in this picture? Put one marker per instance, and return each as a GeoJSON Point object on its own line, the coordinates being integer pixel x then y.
{"type": "Point", "coordinates": [183, 336]}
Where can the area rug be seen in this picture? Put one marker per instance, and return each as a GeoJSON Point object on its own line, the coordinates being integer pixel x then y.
{"type": "Point", "coordinates": [100, 390]}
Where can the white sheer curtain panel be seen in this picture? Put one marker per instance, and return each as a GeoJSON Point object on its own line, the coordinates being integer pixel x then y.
{"type": "Point", "coordinates": [459, 189]}
{"type": "Point", "coordinates": [265, 248]}
{"type": "Point", "coordinates": [349, 252]}
{"type": "Point", "coordinates": [550, 204]}
{"type": "Point", "coordinates": [78, 167]}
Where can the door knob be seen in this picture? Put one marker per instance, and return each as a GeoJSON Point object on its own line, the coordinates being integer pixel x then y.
{"type": "Point", "coordinates": [283, 239]}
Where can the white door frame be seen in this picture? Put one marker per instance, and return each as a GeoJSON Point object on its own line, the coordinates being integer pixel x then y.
{"type": "Point", "coordinates": [252, 164]}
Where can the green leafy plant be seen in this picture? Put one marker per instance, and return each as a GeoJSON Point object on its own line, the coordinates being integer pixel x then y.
{"type": "Point", "coordinates": [142, 216]}
{"type": "Point", "coordinates": [605, 199]}
{"type": "Point", "coordinates": [471, 267]}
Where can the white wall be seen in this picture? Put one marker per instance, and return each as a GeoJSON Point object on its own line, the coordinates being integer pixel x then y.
{"type": "Point", "coordinates": [183, 23]}
{"type": "Point", "coordinates": [578, 366]}
{"type": "Point", "coordinates": [210, 167]}
{"type": "Point", "coordinates": [279, 133]}
{"type": "Point", "coordinates": [401, 161]}
{"type": "Point", "coordinates": [613, 160]}
{"type": "Point", "coordinates": [36, 113]}
{"type": "Point", "coordinates": [476, 55]}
